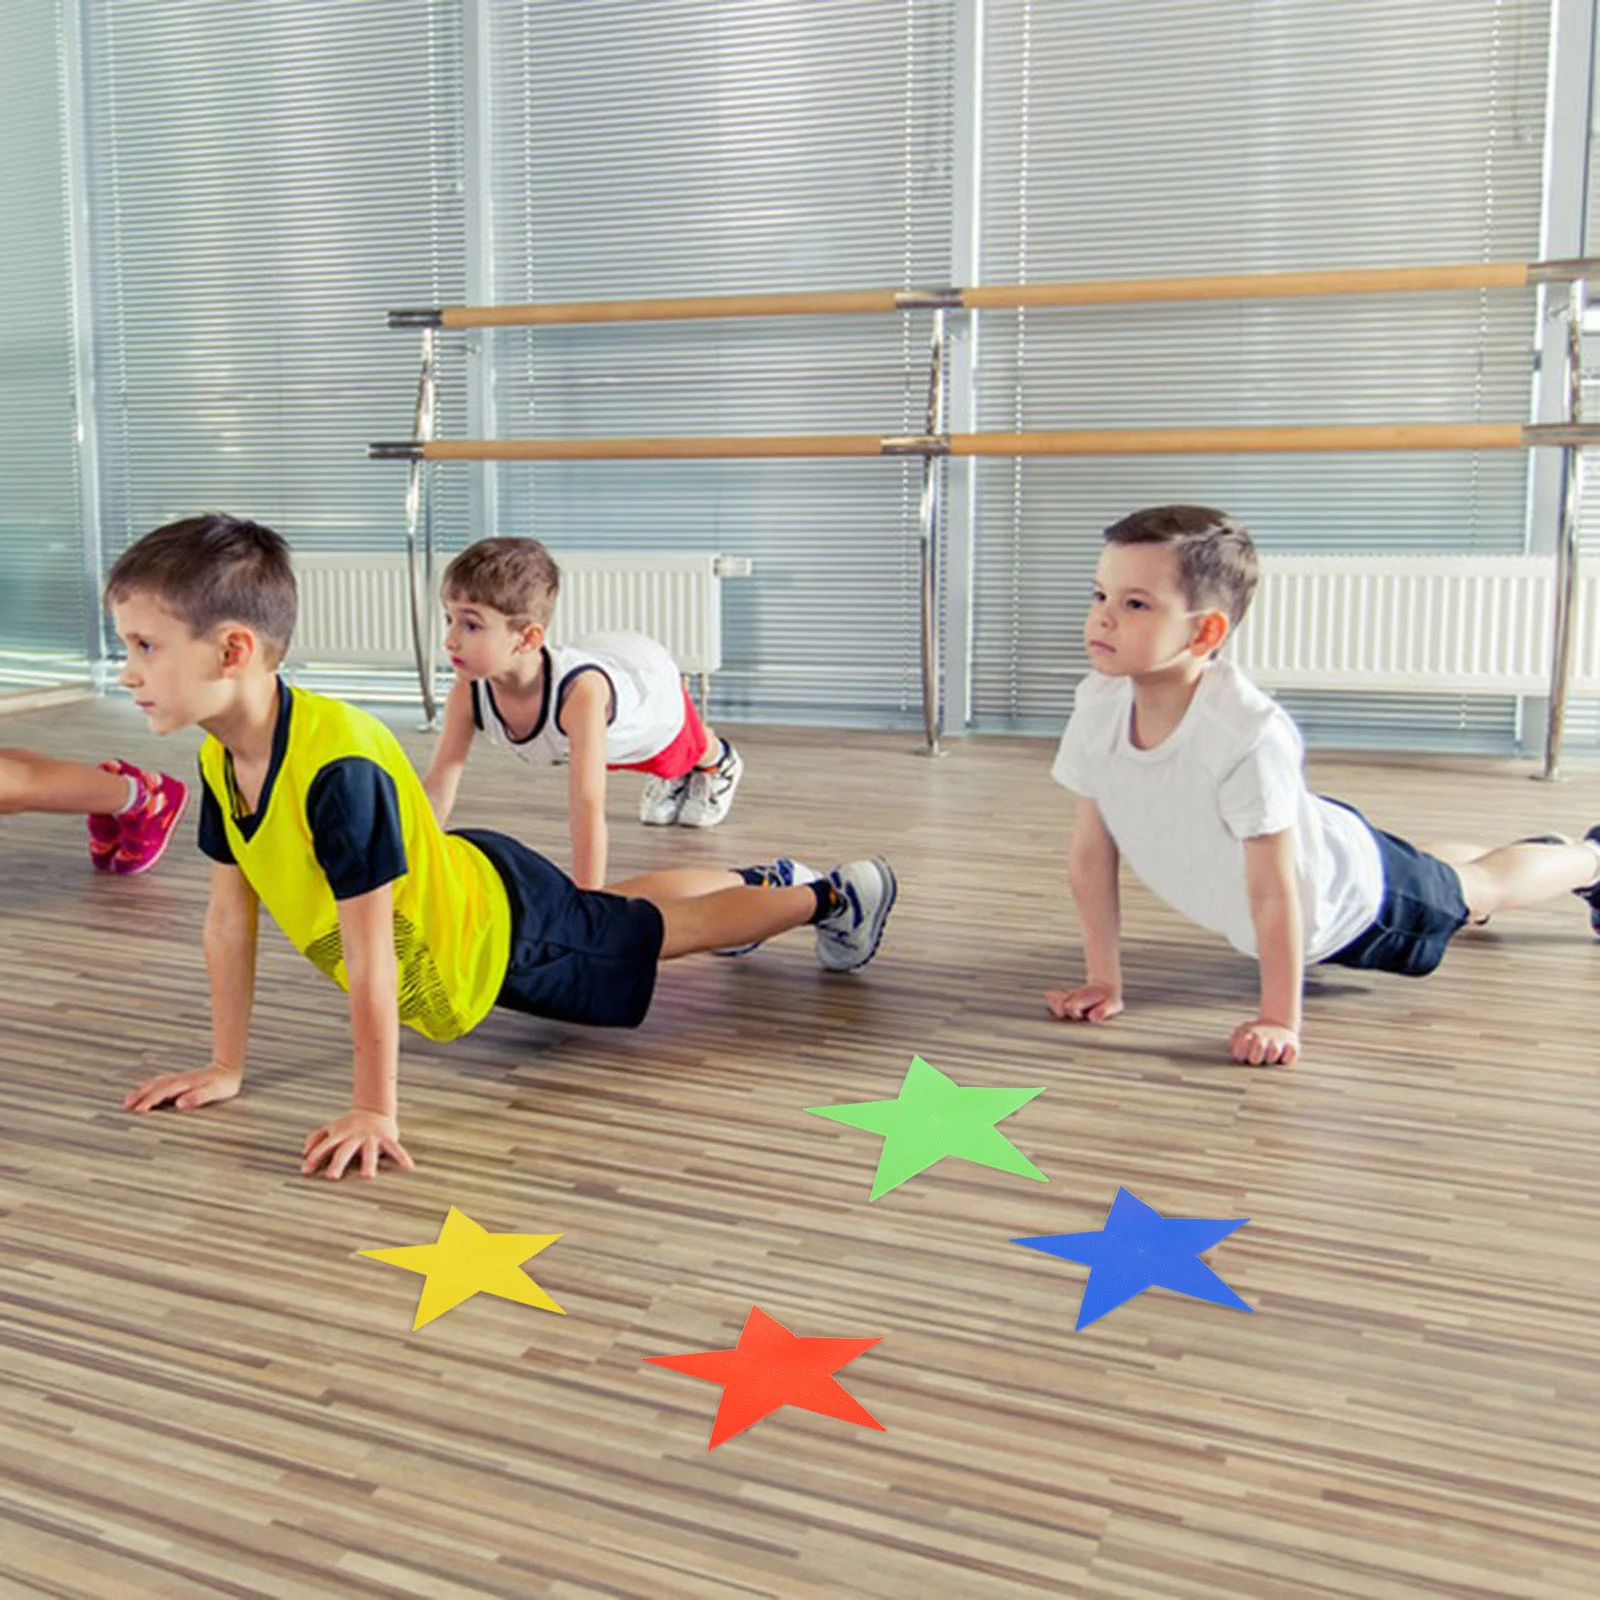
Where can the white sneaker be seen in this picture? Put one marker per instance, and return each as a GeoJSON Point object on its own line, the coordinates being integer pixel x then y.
{"type": "Point", "coordinates": [662, 800]}
{"type": "Point", "coordinates": [848, 936]}
{"type": "Point", "coordinates": [784, 873]}
{"type": "Point", "coordinates": [711, 792]}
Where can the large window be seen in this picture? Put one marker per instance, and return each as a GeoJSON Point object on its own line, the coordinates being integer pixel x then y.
{"type": "Point", "coordinates": [1194, 136]}
{"type": "Point", "coordinates": [263, 182]}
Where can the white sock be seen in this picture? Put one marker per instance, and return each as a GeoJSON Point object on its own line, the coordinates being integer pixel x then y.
{"type": "Point", "coordinates": [134, 795]}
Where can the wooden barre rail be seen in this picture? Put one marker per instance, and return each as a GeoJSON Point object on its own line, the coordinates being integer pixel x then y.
{"type": "Point", "coordinates": [1102, 292]}
{"type": "Point", "coordinates": [1081, 442]}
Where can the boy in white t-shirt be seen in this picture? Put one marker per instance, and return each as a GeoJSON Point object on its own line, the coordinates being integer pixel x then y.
{"type": "Point", "coordinates": [1193, 774]}
{"type": "Point", "coordinates": [602, 703]}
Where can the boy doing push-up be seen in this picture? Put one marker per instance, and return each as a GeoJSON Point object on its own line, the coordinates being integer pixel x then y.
{"type": "Point", "coordinates": [1186, 769]}
{"type": "Point", "coordinates": [311, 808]}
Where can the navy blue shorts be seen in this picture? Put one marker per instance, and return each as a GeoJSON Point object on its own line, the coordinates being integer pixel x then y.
{"type": "Point", "coordinates": [1422, 911]}
{"type": "Point", "coordinates": [577, 955]}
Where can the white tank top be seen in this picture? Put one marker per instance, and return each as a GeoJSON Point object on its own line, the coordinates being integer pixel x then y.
{"type": "Point", "coordinates": [646, 699]}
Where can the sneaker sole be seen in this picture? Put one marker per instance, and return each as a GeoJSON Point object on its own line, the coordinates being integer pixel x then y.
{"type": "Point", "coordinates": [711, 822]}
{"type": "Point", "coordinates": [145, 866]}
{"type": "Point", "coordinates": [665, 822]}
{"type": "Point", "coordinates": [885, 906]}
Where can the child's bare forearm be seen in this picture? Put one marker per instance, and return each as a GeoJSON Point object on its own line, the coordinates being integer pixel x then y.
{"type": "Point", "coordinates": [440, 789]}
{"type": "Point", "coordinates": [375, 1040]}
{"type": "Point", "coordinates": [1096, 895]}
{"type": "Point", "coordinates": [366, 929]}
{"type": "Point", "coordinates": [590, 846]}
{"type": "Point", "coordinates": [230, 952]}
{"type": "Point", "coordinates": [1280, 947]}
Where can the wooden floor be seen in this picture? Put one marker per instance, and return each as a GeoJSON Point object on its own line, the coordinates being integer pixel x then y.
{"type": "Point", "coordinates": [204, 1391]}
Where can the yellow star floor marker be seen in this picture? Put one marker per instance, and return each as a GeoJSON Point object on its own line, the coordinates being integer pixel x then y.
{"type": "Point", "coordinates": [466, 1260]}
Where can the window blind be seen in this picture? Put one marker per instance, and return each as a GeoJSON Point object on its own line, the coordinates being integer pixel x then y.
{"type": "Point", "coordinates": [682, 148]}
{"type": "Point", "coordinates": [1192, 136]}
{"type": "Point", "coordinates": [267, 181]}
{"type": "Point", "coordinates": [43, 617]}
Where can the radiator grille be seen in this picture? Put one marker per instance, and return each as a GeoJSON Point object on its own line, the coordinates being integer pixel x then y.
{"type": "Point", "coordinates": [1418, 624]}
{"type": "Point", "coordinates": [355, 609]}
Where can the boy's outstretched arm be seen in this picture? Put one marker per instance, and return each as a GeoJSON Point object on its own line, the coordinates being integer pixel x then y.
{"type": "Point", "coordinates": [1093, 862]}
{"type": "Point", "coordinates": [230, 950]}
{"type": "Point", "coordinates": [584, 714]}
{"type": "Point", "coordinates": [450, 754]}
{"type": "Point", "coordinates": [371, 1128]}
{"type": "Point", "coordinates": [1273, 1036]}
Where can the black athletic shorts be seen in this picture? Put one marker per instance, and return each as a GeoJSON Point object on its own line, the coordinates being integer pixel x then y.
{"type": "Point", "coordinates": [577, 955]}
{"type": "Point", "coordinates": [1422, 911]}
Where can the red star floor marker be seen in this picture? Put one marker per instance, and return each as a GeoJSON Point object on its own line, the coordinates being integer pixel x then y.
{"type": "Point", "coordinates": [771, 1367]}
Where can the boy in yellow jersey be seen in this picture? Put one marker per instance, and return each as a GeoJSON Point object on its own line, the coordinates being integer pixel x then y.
{"type": "Point", "coordinates": [311, 808]}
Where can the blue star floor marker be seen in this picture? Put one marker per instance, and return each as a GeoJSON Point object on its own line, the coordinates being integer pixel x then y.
{"type": "Point", "coordinates": [1140, 1249]}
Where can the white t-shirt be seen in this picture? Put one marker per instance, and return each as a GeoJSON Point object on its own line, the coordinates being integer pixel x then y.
{"type": "Point", "coordinates": [646, 699]}
{"type": "Point", "coordinates": [1232, 769]}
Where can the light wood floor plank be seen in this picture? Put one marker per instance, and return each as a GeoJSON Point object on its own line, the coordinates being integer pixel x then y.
{"type": "Point", "coordinates": [204, 1392]}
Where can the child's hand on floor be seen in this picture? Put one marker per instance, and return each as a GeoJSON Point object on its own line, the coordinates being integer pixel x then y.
{"type": "Point", "coordinates": [1094, 1002]}
{"type": "Point", "coordinates": [1263, 1043]}
{"type": "Point", "coordinates": [367, 1134]}
{"type": "Point", "coordinates": [185, 1090]}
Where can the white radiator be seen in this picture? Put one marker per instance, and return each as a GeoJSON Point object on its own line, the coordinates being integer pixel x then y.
{"type": "Point", "coordinates": [1415, 624]}
{"type": "Point", "coordinates": [356, 609]}
{"type": "Point", "coordinates": [1408, 624]}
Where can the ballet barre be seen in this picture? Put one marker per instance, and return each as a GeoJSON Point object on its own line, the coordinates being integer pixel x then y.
{"type": "Point", "coordinates": [1570, 435]}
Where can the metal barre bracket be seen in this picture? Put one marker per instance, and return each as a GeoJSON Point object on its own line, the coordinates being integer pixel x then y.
{"type": "Point", "coordinates": [1569, 271]}
{"type": "Point", "coordinates": [395, 450]}
{"type": "Point", "coordinates": [916, 444]}
{"type": "Point", "coordinates": [928, 299]}
{"type": "Point", "coordinates": [433, 318]}
{"type": "Point", "coordinates": [1567, 435]}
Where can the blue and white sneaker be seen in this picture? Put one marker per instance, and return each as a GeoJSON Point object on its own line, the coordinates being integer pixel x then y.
{"type": "Point", "coordinates": [784, 873]}
{"type": "Point", "coordinates": [848, 936]}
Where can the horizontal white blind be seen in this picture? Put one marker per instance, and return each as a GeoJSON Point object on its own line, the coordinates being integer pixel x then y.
{"type": "Point", "coordinates": [43, 611]}
{"type": "Point", "coordinates": [690, 148]}
{"type": "Point", "coordinates": [1191, 136]}
{"type": "Point", "coordinates": [267, 181]}
{"type": "Point", "coordinates": [1582, 731]}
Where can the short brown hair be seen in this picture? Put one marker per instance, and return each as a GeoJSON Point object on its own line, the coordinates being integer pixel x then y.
{"type": "Point", "coordinates": [516, 576]}
{"type": "Point", "coordinates": [213, 569]}
{"type": "Point", "coordinates": [1217, 565]}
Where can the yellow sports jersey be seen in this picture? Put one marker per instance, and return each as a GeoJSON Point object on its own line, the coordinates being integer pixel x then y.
{"type": "Point", "coordinates": [342, 812]}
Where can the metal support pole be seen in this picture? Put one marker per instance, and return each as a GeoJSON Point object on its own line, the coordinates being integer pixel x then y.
{"type": "Point", "coordinates": [85, 395]}
{"type": "Point", "coordinates": [419, 541]}
{"type": "Point", "coordinates": [928, 542]}
{"type": "Point", "coordinates": [1567, 541]}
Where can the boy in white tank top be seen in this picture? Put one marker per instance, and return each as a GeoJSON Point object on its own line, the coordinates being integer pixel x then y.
{"type": "Point", "coordinates": [602, 703]}
{"type": "Point", "coordinates": [1188, 770]}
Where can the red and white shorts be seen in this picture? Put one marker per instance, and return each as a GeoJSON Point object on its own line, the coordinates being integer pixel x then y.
{"type": "Point", "coordinates": [679, 757]}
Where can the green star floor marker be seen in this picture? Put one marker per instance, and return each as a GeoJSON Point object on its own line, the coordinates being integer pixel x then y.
{"type": "Point", "coordinates": [932, 1118]}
